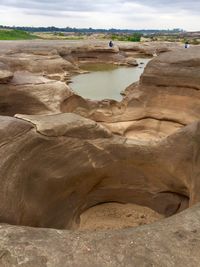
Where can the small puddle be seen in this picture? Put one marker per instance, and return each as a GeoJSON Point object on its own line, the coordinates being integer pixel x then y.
{"type": "Point", "coordinates": [106, 81]}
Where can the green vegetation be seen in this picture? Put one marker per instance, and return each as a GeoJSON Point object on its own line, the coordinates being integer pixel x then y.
{"type": "Point", "coordinates": [136, 37]}
{"type": "Point", "coordinates": [16, 35]}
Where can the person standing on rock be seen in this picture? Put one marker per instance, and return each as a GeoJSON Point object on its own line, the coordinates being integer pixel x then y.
{"type": "Point", "coordinates": [111, 44]}
{"type": "Point", "coordinates": [187, 45]}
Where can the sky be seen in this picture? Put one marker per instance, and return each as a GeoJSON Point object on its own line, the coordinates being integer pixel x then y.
{"type": "Point", "coordinates": [120, 14]}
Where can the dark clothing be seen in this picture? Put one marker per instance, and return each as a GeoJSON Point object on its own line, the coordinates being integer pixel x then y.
{"type": "Point", "coordinates": [186, 44]}
{"type": "Point", "coordinates": [111, 44]}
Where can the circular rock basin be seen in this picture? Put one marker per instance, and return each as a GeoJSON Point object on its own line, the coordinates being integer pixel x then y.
{"type": "Point", "coordinates": [106, 81]}
{"type": "Point", "coordinates": [117, 216]}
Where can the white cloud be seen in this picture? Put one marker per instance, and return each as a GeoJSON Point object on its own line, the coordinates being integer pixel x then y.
{"type": "Point", "coordinates": [122, 14]}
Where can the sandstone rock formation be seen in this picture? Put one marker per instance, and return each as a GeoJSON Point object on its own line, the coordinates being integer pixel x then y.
{"type": "Point", "coordinates": [31, 62]}
{"type": "Point", "coordinates": [33, 76]}
{"type": "Point", "coordinates": [61, 154]}
{"type": "Point", "coordinates": [172, 242]}
{"type": "Point", "coordinates": [54, 167]}
{"type": "Point", "coordinates": [42, 186]}
{"type": "Point", "coordinates": [5, 73]}
{"type": "Point", "coordinates": [32, 94]}
{"type": "Point", "coordinates": [166, 99]}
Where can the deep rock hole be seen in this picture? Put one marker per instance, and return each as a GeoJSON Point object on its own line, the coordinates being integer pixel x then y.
{"type": "Point", "coordinates": [114, 215]}
{"type": "Point", "coordinates": [118, 215]}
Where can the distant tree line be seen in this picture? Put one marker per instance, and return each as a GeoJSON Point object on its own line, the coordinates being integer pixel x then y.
{"type": "Point", "coordinates": [91, 30]}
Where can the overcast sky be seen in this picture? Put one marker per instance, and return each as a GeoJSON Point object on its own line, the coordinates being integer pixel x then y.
{"type": "Point", "coordinates": [122, 14]}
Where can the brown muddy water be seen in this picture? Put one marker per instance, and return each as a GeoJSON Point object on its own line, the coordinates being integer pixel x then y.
{"type": "Point", "coordinates": [106, 81]}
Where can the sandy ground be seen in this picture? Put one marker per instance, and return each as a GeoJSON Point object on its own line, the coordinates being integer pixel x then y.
{"type": "Point", "coordinates": [117, 216]}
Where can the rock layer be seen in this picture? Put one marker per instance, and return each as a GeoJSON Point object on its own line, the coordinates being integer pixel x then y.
{"type": "Point", "coordinates": [5, 73]}
{"type": "Point", "coordinates": [110, 168]}
{"type": "Point", "coordinates": [172, 242]}
{"type": "Point", "coordinates": [42, 186]}
{"type": "Point", "coordinates": [55, 167]}
{"type": "Point", "coordinates": [35, 61]}
{"type": "Point", "coordinates": [166, 99]}
{"type": "Point", "coordinates": [32, 94]}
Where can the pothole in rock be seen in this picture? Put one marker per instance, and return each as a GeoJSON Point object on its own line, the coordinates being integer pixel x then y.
{"type": "Point", "coordinates": [106, 81]}
{"type": "Point", "coordinates": [117, 216]}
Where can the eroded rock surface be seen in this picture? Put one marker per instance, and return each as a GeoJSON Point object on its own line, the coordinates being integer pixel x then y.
{"type": "Point", "coordinates": [33, 76]}
{"type": "Point", "coordinates": [49, 175]}
{"type": "Point", "coordinates": [62, 154]}
{"type": "Point", "coordinates": [40, 69]}
{"type": "Point", "coordinates": [64, 164]}
{"type": "Point", "coordinates": [166, 99]}
{"type": "Point", "coordinates": [172, 242]}
{"type": "Point", "coordinates": [5, 73]}
{"type": "Point", "coordinates": [28, 93]}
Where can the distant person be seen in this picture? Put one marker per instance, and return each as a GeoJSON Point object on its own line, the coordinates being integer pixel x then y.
{"type": "Point", "coordinates": [111, 44]}
{"type": "Point", "coordinates": [187, 45]}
